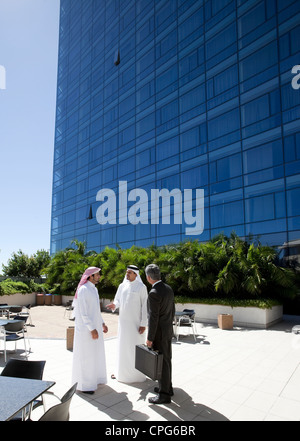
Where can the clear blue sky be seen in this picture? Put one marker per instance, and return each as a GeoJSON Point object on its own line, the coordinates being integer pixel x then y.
{"type": "Point", "coordinates": [28, 51]}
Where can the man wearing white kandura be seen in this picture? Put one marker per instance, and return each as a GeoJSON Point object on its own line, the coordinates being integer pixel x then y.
{"type": "Point", "coordinates": [131, 299]}
{"type": "Point", "coordinates": [89, 365]}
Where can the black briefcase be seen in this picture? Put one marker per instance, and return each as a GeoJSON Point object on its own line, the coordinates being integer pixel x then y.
{"type": "Point", "coordinates": [148, 361]}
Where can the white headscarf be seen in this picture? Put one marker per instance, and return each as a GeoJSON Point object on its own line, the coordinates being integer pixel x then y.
{"type": "Point", "coordinates": [136, 270]}
{"type": "Point", "coordinates": [88, 272]}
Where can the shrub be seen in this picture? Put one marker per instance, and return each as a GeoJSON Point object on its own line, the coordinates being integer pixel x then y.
{"type": "Point", "coordinates": [9, 287]}
{"type": "Point", "coordinates": [224, 267]}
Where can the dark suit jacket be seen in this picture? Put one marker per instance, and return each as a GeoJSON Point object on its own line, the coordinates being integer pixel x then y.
{"type": "Point", "coordinates": [161, 311]}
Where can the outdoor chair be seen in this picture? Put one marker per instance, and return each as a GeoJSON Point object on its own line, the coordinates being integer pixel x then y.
{"type": "Point", "coordinates": [24, 319]}
{"type": "Point", "coordinates": [14, 310]}
{"type": "Point", "coordinates": [69, 308]}
{"type": "Point", "coordinates": [26, 313]}
{"type": "Point", "coordinates": [60, 412]}
{"type": "Point", "coordinates": [3, 311]}
{"type": "Point", "coordinates": [25, 369]}
{"type": "Point", "coordinates": [186, 320]}
{"type": "Point", "coordinates": [14, 331]}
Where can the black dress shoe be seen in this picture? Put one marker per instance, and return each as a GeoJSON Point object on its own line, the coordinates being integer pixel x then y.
{"type": "Point", "coordinates": [156, 389]}
{"type": "Point", "coordinates": [90, 392]}
{"type": "Point", "coordinates": [160, 400]}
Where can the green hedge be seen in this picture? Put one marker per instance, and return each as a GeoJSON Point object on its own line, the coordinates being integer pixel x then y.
{"type": "Point", "coordinates": [227, 268]}
{"type": "Point", "coordinates": [258, 303]}
{"type": "Point", "coordinates": [8, 287]}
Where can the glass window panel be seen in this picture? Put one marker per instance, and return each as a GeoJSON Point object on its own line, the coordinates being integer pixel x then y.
{"type": "Point", "coordinates": [252, 19]}
{"type": "Point", "coordinates": [143, 159]}
{"type": "Point", "coordinates": [223, 124]}
{"type": "Point", "coordinates": [265, 156]}
{"type": "Point", "coordinates": [190, 139]}
{"type": "Point", "coordinates": [280, 205]}
{"type": "Point", "coordinates": [127, 135]}
{"type": "Point", "coordinates": [145, 92]}
{"type": "Point", "coordinates": [126, 105]}
{"type": "Point", "coordinates": [266, 227]}
{"type": "Point", "coordinates": [145, 62]}
{"type": "Point", "coordinates": [145, 124]}
{"type": "Point", "coordinates": [226, 80]}
{"type": "Point", "coordinates": [126, 166]}
{"type": "Point", "coordinates": [293, 198]}
{"type": "Point", "coordinates": [192, 99]}
{"type": "Point", "coordinates": [195, 178]}
{"type": "Point", "coordinates": [221, 41]}
{"type": "Point", "coordinates": [191, 24]}
{"type": "Point", "coordinates": [167, 112]}
{"type": "Point", "coordinates": [266, 187]}
{"type": "Point", "coordinates": [289, 148]}
{"type": "Point", "coordinates": [290, 97]}
{"type": "Point", "coordinates": [229, 167]}
{"type": "Point", "coordinates": [166, 78]}
{"type": "Point", "coordinates": [264, 175]}
{"type": "Point", "coordinates": [188, 63]}
{"type": "Point", "coordinates": [260, 208]}
{"type": "Point", "coordinates": [227, 214]}
{"type": "Point", "coordinates": [255, 110]}
{"type": "Point", "coordinates": [259, 61]}
{"type": "Point", "coordinates": [167, 148]}
{"type": "Point", "coordinates": [228, 185]}
{"type": "Point", "coordinates": [294, 224]}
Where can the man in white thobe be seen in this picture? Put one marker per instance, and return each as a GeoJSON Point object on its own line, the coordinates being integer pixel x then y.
{"type": "Point", "coordinates": [89, 365]}
{"type": "Point", "coordinates": [131, 299]}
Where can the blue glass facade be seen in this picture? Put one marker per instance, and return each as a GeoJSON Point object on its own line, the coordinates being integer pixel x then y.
{"type": "Point", "coordinates": [178, 94]}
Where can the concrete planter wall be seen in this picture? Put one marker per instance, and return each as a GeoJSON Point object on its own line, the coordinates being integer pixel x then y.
{"type": "Point", "coordinates": [242, 316]}
{"type": "Point", "coordinates": [26, 299]}
{"type": "Point", "coordinates": [19, 299]}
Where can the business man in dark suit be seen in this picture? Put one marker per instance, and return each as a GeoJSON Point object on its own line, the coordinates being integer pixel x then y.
{"type": "Point", "coordinates": [161, 310]}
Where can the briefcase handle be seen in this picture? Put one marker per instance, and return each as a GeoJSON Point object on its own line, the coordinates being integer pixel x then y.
{"type": "Point", "coordinates": [151, 349]}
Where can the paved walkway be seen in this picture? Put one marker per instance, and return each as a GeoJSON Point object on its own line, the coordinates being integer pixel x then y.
{"type": "Point", "coordinates": [236, 375]}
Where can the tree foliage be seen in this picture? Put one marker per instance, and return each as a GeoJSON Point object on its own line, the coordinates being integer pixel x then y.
{"type": "Point", "coordinates": [224, 267]}
{"type": "Point", "coordinates": [66, 267]}
{"type": "Point", "coordinates": [22, 265]}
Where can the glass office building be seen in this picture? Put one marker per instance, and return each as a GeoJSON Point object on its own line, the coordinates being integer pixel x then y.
{"type": "Point", "coordinates": [177, 96]}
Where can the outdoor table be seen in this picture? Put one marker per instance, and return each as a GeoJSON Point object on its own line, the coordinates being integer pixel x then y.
{"type": "Point", "coordinates": [17, 393]}
{"type": "Point", "coordinates": [4, 322]}
{"type": "Point", "coordinates": [6, 308]}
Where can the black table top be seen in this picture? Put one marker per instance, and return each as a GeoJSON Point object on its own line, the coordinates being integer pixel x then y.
{"type": "Point", "coordinates": [10, 306]}
{"type": "Point", "coordinates": [4, 322]}
{"type": "Point", "coordinates": [17, 393]}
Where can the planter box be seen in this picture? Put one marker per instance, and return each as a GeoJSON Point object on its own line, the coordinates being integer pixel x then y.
{"type": "Point", "coordinates": [19, 299]}
{"type": "Point", "coordinates": [242, 316]}
{"type": "Point", "coordinates": [48, 299]}
{"type": "Point", "coordinates": [249, 317]}
{"type": "Point", "coordinates": [57, 299]}
{"type": "Point", "coordinates": [225, 321]}
{"type": "Point", "coordinates": [70, 337]}
{"type": "Point", "coordinates": [40, 299]}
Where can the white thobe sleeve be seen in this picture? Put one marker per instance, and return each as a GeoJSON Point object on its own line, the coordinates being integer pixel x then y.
{"type": "Point", "coordinates": [143, 300]}
{"type": "Point", "coordinates": [83, 309]}
{"type": "Point", "coordinates": [117, 298]}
